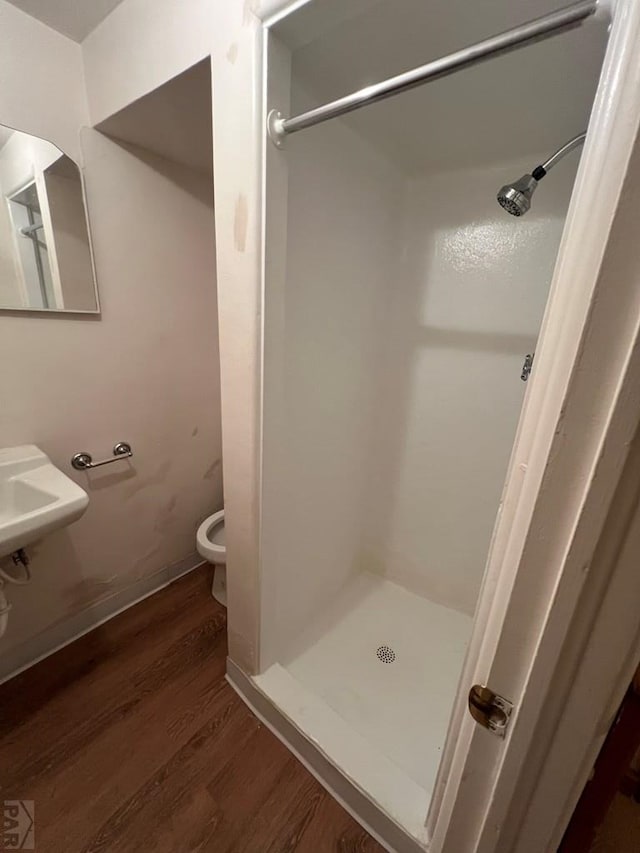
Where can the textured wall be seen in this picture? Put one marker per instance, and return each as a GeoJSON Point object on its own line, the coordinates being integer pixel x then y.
{"type": "Point", "coordinates": [407, 319]}
{"type": "Point", "coordinates": [464, 309]}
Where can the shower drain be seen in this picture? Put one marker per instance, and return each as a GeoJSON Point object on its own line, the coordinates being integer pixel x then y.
{"type": "Point", "coordinates": [386, 654]}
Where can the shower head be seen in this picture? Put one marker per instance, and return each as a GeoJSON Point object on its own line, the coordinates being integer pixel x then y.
{"type": "Point", "coordinates": [516, 196]}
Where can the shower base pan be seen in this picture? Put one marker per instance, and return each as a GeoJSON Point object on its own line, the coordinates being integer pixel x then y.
{"type": "Point", "coordinates": [364, 699]}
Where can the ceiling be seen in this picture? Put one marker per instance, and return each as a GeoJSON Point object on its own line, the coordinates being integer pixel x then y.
{"type": "Point", "coordinates": [526, 102]}
{"type": "Point", "coordinates": [73, 18]}
{"type": "Point", "coordinates": [173, 121]}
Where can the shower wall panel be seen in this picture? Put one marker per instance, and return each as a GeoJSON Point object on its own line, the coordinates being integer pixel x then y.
{"type": "Point", "coordinates": [344, 206]}
{"type": "Point", "coordinates": [467, 302]}
{"type": "Point", "coordinates": [410, 303]}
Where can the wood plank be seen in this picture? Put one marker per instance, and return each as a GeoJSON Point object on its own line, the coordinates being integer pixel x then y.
{"type": "Point", "coordinates": [130, 739]}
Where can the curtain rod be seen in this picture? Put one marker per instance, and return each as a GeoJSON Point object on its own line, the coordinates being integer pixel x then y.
{"type": "Point", "coordinates": [538, 29]}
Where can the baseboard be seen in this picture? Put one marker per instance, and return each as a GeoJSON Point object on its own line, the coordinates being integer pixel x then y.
{"type": "Point", "coordinates": [57, 636]}
{"type": "Point", "coordinates": [376, 822]}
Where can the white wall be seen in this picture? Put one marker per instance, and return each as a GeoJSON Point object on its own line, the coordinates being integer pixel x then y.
{"type": "Point", "coordinates": [141, 44]}
{"type": "Point", "coordinates": [148, 42]}
{"type": "Point", "coordinates": [43, 89]}
{"type": "Point", "coordinates": [146, 371]}
{"type": "Point", "coordinates": [464, 309]}
{"type": "Point", "coordinates": [343, 211]}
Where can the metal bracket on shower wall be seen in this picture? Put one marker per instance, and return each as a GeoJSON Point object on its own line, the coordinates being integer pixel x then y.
{"type": "Point", "coordinates": [527, 367]}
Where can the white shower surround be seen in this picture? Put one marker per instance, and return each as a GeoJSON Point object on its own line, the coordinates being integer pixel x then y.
{"type": "Point", "coordinates": [367, 711]}
{"type": "Point", "coordinates": [405, 329]}
{"type": "Point", "coordinates": [576, 282]}
{"type": "Point", "coordinates": [463, 308]}
{"type": "Point", "coordinates": [392, 394]}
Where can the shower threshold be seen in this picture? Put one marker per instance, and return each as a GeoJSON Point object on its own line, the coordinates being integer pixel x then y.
{"type": "Point", "coordinates": [372, 684]}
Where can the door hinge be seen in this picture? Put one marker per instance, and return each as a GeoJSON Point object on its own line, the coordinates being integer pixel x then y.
{"type": "Point", "coordinates": [491, 710]}
{"type": "Point", "coordinates": [527, 367]}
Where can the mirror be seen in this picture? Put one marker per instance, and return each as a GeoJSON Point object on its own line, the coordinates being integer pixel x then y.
{"type": "Point", "coordinates": [45, 251]}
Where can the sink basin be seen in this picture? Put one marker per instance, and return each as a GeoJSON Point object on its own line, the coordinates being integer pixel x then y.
{"type": "Point", "coordinates": [35, 497]}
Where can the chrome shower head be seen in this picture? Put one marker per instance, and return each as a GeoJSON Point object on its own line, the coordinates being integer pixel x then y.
{"type": "Point", "coordinates": [516, 197]}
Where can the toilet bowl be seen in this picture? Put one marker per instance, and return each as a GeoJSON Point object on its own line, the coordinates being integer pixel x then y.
{"type": "Point", "coordinates": [210, 542]}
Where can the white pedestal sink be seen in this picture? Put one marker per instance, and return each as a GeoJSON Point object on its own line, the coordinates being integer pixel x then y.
{"type": "Point", "coordinates": [35, 497]}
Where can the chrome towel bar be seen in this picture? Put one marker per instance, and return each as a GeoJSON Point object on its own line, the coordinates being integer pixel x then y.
{"type": "Point", "coordinates": [83, 461]}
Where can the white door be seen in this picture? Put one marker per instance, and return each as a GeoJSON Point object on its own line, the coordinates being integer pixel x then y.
{"type": "Point", "coordinates": [540, 597]}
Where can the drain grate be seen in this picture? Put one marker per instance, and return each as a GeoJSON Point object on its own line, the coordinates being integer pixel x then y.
{"type": "Point", "coordinates": [386, 654]}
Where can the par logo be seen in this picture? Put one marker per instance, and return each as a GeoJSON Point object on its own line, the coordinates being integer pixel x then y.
{"type": "Point", "coordinates": [18, 829]}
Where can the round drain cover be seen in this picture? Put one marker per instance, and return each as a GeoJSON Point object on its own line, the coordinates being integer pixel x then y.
{"type": "Point", "coordinates": [386, 654]}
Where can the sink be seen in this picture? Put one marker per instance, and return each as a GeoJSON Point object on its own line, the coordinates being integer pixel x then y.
{"type": "Point", "coordinates": [35, 497]}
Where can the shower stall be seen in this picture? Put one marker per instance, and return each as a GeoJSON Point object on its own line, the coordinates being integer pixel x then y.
{"type": "Point", "coordinates": [402, 309]}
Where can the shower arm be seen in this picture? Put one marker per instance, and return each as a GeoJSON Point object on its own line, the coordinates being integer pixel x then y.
{"type": "Point", "coordinates": [278, 126]}
{"type": "Point", "coordinates": [558, 155]}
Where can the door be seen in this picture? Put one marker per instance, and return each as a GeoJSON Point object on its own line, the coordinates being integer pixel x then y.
{"type": "Point", "coordinates": [580, 415]}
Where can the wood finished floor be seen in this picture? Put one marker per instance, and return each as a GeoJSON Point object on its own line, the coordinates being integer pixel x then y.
{"type": "Point", "coordinates": [131, 740]}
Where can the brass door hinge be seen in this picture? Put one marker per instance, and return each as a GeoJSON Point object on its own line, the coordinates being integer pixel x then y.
{"type": "Point", "coordinates": [489, 709]}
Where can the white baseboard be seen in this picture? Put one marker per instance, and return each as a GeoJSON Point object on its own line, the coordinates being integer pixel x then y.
{"type": "Point", "coordinates": [62, 633]}
{"type": "Point", "coordinates": [367, 813]}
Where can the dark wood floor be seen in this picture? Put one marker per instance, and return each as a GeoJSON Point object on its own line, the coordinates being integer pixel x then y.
{"type": "Point", "coordinates": [130, 740]}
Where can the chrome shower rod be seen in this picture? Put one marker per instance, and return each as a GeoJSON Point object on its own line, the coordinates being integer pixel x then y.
{"type": "Point", "coordinates": [535, 30]}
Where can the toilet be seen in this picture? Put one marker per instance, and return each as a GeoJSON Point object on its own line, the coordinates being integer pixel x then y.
{"type": "Point", "coordinates": [210, 543]}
